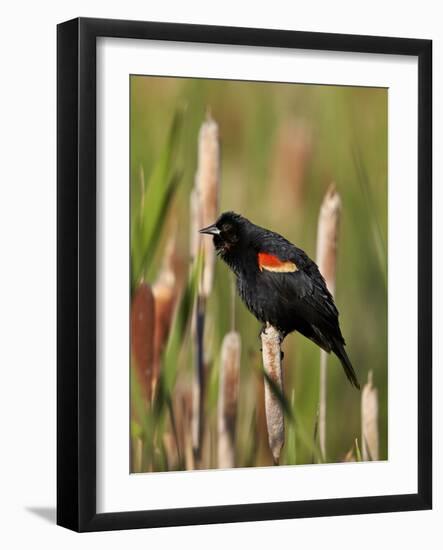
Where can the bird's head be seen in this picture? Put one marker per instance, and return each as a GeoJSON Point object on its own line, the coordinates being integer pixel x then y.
{"type": "Point", "coordinates": [229, 232]}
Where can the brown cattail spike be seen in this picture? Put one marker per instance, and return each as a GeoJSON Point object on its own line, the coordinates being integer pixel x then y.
{"type": "Point", "coordinates": [142, 337]}
{"type": "Point", "coordinates": [228, 399]}
{"type": "Point", "coordinates": [369, 421]}
{"type": "Point", "coordinates": [271, 351]}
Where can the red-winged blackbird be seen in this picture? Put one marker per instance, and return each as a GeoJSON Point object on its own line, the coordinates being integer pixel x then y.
{"type": "Point", "coordinates": [280, 284]}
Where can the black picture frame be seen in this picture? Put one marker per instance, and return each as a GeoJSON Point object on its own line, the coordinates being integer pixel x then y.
{"type": "Point", "coordinates": [76, 273]}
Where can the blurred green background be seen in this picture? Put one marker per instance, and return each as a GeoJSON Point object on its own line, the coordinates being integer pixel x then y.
{"type": "Point", "coordinates": [282, 145]}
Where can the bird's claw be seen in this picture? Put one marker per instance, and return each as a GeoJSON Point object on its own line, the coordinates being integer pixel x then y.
{"type": "Point", "coordinates": [262, 331]}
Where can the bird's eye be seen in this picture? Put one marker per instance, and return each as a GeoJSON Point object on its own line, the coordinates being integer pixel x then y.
{"type": "Point", "coordinates": [229, 233]}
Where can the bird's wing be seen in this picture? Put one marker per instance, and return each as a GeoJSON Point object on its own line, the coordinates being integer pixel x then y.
{"type": "Point", "coordinates": [297, 278]}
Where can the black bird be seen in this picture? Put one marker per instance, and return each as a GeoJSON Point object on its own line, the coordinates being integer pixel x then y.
{"type": "Point", "coordinates": [280, 284]}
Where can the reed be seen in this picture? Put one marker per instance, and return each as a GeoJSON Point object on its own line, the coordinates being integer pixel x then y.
{"type": "Point", "coordinates": [327, 237]}
{"type": "Point", "coordinates": [204, 210]}
{"type": "Point", "coordinates": [228, 399]}
{"type": "Point", "coordinates": [369, 420]}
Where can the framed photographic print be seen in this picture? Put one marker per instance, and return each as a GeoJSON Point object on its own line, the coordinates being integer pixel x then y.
{"type": "Point", "coordinates": [244, 274]}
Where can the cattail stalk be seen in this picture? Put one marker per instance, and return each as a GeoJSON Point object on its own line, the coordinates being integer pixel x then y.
{"type": "Point", "coordinates": [271, 352]}
{"type": "Point", "coordinates": [327, 236]}
{"type": "Point", "coordinates": [204, 210]}
{"type": "Point", "coordinates": [228, 398]}
{"type": "Point", "coordinates": [199, 385]}
{"type": "Point", "coordinates": [369, 420]}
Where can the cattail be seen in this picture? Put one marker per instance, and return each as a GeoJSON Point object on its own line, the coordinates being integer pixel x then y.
{"type": "Point", "coordinates": [271, 351]}
{"type": "Point", "coordinates": [369, 420]}
{"type": "Point", "coordinates": [207, 184]}
{"type": "Point", "coordinates": [142, 338]}
{"type": "Point", "coordinates": [165, 294]}
{"type": "Point", "coordinates": [204, 210]}
{"type": "Point", "coordinates": [228, 398]}
{"type": "Point", "coordinates": [327, 235]}
{"type": "Point", "coordinates": [291, 155]}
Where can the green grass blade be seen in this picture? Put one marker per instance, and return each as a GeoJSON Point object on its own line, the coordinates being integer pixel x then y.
{"type": "Point", "coordinates": [158, 195]}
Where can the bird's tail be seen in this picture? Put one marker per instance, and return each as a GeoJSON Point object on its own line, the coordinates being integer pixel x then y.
{"type": "Point", "coordinates": [340, 352]}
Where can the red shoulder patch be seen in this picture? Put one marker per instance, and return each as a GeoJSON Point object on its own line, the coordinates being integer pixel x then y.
{"type": "Point", "coordinates": [270, 262]}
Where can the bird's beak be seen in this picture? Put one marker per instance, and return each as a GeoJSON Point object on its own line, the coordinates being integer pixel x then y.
{"type": "Point", "coordinates": [210, 230]}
